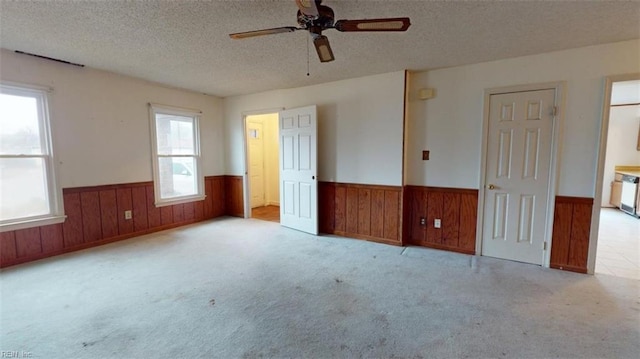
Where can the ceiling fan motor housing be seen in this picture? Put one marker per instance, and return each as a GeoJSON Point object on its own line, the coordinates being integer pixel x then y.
{"type": "Point", "coordinates": [324, 20]}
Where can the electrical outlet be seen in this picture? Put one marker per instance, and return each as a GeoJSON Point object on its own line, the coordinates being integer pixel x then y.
{"type": "Point", "coordinates": [423, 221]}
{"type": "Point", "coordinates": [127, 214]}
{"type": "Point", "coordinates": [425, 155]}
{"type": "Point", "coordinates": [437, 223]}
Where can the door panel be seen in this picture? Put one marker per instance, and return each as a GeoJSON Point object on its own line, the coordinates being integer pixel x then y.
{"type": "Point", "coordinates": [305, 200]}
{"type": "Point", "coordinates": [517, 175]}
{"type": "Point", "coordinates": [298, 166]}
{"type": "Point", "coordinates": [500, 216]}
{"type": "Point", "coordinates": [504, 154]}
{"type": "Point", "coordinates": [287, 199]}
{"type": "Point", "coordinates": [287, 152]}
{"type": "Point", "coordinates": [525, 225]}
{"type": "Point", "coordinates": [532, 141]}
{"type": "Point", "coordinates": [305, 153]}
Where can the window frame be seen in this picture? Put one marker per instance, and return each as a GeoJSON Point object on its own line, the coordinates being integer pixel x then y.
{"type": "Point", "coordinates": [155, 109]}
{"type": "Point", "coordinates": [54, 191]}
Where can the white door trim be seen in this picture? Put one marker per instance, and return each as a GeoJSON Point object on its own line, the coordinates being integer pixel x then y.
{"type": "Point", "coordinates": [602, 155]}
{"type": "Point", "coordinates": [246, 193]}
{"type": "Point", "coordinates": [556, 136]}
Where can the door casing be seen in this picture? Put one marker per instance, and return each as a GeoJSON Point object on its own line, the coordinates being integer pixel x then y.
{"type": "Point", "coordinates": [555, 156]}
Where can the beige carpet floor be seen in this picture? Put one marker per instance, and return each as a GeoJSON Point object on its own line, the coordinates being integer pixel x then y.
{"type": "Point", "coordinates": [235, 288]}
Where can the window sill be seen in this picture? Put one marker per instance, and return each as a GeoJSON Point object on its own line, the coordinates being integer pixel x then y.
{"type": "Point", "coordinates": [30, 223]}
{"type": "Point", "coordinates": [180, 200]}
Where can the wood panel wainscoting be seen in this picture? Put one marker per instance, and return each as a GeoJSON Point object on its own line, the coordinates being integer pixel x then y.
{"type": "Point", "coordinates": [95, 216]}
{"type": "Point", "coordinates": [571, 228]}
{"type": "Point", "coordinates": [362, 211]}
{"type": "Point", "coordinates": [457, 210]}
{"type": "Point", "coordinates": [233, 189]}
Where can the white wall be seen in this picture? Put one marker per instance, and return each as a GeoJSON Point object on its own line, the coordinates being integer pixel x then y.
{"type": "Point", "coordinates": [359, 127]}
{"type": "Point", "coordinates": [100, 120]}
{"type": "Point", "coordinates": [101, 127]}
{"type": "Point", "coordinates": [622, 142]}
{"type": "Point", "coordinates": [450, 125]}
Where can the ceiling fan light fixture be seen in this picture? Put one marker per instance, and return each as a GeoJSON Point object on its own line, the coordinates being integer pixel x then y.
{"type": "Point", "coordinates": [308, 7]}
{"type": "Point", "coordinates": [323, 49]}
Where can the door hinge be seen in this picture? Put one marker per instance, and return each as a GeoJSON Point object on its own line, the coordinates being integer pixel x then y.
{"type": "Point", "coordinates": [544, 246]}
{"type": "Point", "coordinates": [554, 112]}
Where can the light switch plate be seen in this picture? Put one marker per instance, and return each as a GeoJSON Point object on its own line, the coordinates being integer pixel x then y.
{"type": "Point", "coordinates": [425, 155]}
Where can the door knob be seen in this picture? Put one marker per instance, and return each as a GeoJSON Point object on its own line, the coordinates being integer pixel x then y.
{"type": "Point", "coordinates": [491, 186]}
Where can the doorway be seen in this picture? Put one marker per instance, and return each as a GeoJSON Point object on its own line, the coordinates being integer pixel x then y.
{"type": "Point", "coordinates": [518, 172]}
{"type": "Point", "coordinates": [263, 189]}
{"type": "Point", "coordinates": [616, 245]}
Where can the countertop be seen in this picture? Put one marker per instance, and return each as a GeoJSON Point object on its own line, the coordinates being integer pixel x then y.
{"type": "Point", "coordinates": [629, 170]}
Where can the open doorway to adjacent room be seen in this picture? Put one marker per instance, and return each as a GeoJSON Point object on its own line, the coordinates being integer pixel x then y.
{"type": "Point", "coordinates": [618, 243]}
{"type": "Point", "coordinates": [263, 166]}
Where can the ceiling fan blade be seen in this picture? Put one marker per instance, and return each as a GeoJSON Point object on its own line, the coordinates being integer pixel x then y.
{"type": "Point", "coordinates": [387, 24]}
{"type": "Point", "coordinates": [308, 7]}
{"type": "Point", "coordinates": [323, 48]}
{"type": "Point", "coordinates": [276, 30]}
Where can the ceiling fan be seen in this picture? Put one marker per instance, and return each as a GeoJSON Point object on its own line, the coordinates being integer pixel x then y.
{"type": "Point", "coordinates": [315, 18]}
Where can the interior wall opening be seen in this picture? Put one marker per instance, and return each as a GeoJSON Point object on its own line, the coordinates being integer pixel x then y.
{"type": "Point", "coordinates": [263, 166]}
{"type": "Point", "coordinates": [618, 241]}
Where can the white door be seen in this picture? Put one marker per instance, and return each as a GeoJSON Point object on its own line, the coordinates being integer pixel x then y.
{"type": "Point", "coordinates": [517, 175]}
{"type": "Point", "coordinates": [255, 135]}
{"type": "Point", "coordinates": [298, 165]}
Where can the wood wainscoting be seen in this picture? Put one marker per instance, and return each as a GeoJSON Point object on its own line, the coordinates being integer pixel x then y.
{"type": "Point", "coordinates": [361, 211]}
{"type": "Point", "coordinates": [571, 228]}
{"type": "Point", "coordinates": [233, 189]}
{"type": "Point", "coordinates": [95, 216]}
{"type": "Point", "coordinates": [456, 208]}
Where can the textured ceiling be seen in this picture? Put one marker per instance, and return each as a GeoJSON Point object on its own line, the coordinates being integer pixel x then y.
{"type": "Point", "coordinates": [186, 43]}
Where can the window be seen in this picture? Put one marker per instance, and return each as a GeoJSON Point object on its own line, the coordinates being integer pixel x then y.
{"type": "Point", "coordinates": [29, 195]}
{"type": "Point", "coordinates": [176, 149]}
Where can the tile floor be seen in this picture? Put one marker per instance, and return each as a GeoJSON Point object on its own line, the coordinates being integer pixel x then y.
{"type": "Point", "coordinates": [618, 244]}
